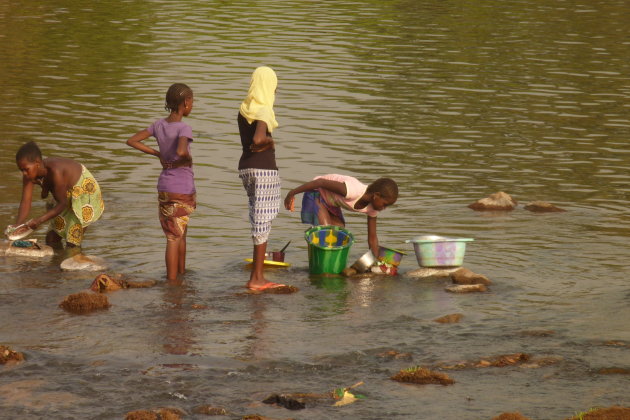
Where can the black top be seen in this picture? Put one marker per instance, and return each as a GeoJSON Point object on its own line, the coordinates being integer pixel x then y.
{"type": "Point", "coordinates": [249, 159]}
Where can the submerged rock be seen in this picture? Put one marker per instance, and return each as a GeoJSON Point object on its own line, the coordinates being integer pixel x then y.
{"type": "Point", "coordinates": [510, 416]}
{"type": "Point", "coordinates": [259, 417]}
{"type": "Point", "coordinates": [10, 356]}
{"type": "Point", "coordinates": [298, 401]}
{"type": "Point", "coordinates": [466, 276]}
{"type": "Point", "coordinates": [537, 333]}
{"type": "Point", "coordinates": [158, 414]}
{"type": "Point", "coordinates": [428, 272]}
{"type": "Point", "coordinates": [420, 375]}
{"type": "Point", "coordinates": [84, 262]}
{"type": "Point", "coordinates": [25, 248]}
{"type": "Point", "coordinates": [210, 410]}
{"type": "Point", "coordinates": [449, 319]}
{"type": "Point", "coordinates": [614, 371]}
{"type": "Point", "coordinates": [349, 272]}
{"type": "Point", "coordinates": [286, 401]}
{"type": "Point", "coordinates": [495, 361]}
{"type": "Point", "coordinates": [610, 413]}
{"type": "Point", "coordinates": [466, 288]}
{"type": "Point", "coordinates": [141, 415]}
{"type": "Point", "coordinates": [497, 201]}
{"type": "Point", "coordinates": [542, 207]}
{"type": "Point", "coordinates": [394, 355]}
{"type": "Point", "coordinates": [104, 283]}
{"type": "Point", "coordinates": [84, 302]}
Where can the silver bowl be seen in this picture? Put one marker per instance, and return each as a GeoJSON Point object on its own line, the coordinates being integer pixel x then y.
{"type": "Point", "coordinates": [364, 263]}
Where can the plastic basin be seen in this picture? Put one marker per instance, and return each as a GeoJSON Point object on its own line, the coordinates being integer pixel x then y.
{"type": "Point", "coordinates": [328, 248]}
{"type": "Point", "coordinates": [436, 251]}
{"type": "Point", "coordinates": [390, 255]}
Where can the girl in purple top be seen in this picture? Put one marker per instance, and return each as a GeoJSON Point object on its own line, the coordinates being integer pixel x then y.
{"type": "Point", "coordinates": [176, 185]}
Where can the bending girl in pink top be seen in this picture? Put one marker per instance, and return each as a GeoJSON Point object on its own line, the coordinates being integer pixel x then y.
{"type": "Point", "coordinates": [176, 185]}
{"type": "Point", "coordinates": [326, 195]}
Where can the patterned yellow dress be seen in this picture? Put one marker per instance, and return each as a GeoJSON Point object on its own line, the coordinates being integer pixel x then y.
{"type": "Point", "coordinates": [85, 206]}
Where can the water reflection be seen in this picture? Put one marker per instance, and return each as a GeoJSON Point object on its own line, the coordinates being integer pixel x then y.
{"type": "Point", "coordinates": [178, 327]}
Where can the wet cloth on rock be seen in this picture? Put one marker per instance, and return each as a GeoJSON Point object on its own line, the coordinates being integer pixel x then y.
{"type": "Point", "coordinates": [175, 210]}
{"type": "Point", "coordinates": [263, 191]}
{"type": "Point", "coordinates": [85, 206]}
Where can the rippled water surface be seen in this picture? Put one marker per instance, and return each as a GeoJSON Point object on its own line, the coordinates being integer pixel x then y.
{"type": "Point", "coordinates": [453, 99]}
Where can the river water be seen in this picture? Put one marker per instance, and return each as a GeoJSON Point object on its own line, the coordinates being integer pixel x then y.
{"type": "Point", "coordinates": [453, 99]}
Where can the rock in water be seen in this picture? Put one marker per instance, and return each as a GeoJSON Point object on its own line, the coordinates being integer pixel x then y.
{"type": "Point", "coordinates": [420, 375]}
{"type": "Point", "coordinates": [497, 201]}
{"type": "Point", "coordinates": [25, 248]}
{"type": "Point", "coordinates": [8, 355]}
{"type": "Point", "coordinates": [427, 272]}
{"type": "Point", "coordinates": [466, 288]}
{"type": "Point", "coordinates": [84, 302]}
{"type": "Point", "coordinates": [449, 319]}
{"type": "Point", "coordinates": [104, 283]}
{"type": "Point", "coordinates": [510, 416]}
{"type": "Point", "coordinates": [465, 276]}
{"type": "Point", "coordinates": [542, 207]}
{"type": "Point", "coordinates": [84, 262]}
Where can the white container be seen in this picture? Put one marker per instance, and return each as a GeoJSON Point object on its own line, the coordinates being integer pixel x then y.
{"type": "Point", "coordinates": [438, 251]}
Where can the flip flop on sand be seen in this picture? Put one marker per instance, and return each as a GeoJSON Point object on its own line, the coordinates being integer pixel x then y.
{"type": "Point", "coordinates": [271, 287]}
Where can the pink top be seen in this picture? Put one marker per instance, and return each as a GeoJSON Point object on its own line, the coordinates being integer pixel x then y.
{"type": "Point", "coordinates": [354, 191]}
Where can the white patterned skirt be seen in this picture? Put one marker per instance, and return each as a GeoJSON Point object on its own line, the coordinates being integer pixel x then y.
{"type": "Point", "coordinates": [263, 192]}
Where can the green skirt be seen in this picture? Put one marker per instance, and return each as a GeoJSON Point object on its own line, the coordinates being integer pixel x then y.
{"type": "Point", "coordinates": [85, 206]}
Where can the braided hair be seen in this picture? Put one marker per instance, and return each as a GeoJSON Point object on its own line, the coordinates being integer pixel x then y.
{"type": "Point", "coordinates": [175, 96]}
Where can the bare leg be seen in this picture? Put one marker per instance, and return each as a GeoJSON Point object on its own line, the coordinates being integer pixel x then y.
{"type": "Point", "coordinates": [325, 218]}
{"type": "Point", "coordinates": [53, 239]}
{"type": "Point", "coordinates": [172, 256]}
{"type": "Point", "coordinates": [257, 276]}
{"type": "Point", "coordinates": [181, 254]}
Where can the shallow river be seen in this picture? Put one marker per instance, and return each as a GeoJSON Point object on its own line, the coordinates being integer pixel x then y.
{"type": "Point", "coordinates": [454, 100]}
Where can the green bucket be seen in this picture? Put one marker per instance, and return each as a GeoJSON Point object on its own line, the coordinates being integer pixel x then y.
{"type": "Point", "coordinates": [328, 248]}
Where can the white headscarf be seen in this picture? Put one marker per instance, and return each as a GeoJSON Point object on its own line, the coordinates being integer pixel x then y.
{"type": "Point", "coordinates": [258, 105]}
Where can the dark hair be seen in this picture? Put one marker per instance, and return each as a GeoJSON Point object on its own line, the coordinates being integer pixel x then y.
{"type": "Point", "coordinates": [29, 151]}
{"type": "Point", "coordinates": [387, 187]}
{"type": "Point", "coordinates": [175, 96]}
